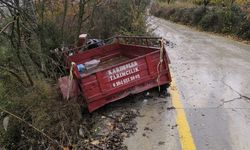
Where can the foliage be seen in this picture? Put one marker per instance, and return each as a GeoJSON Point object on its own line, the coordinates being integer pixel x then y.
{"type": "Point", "coordinates": [38, 108]}
{"type": "Point", "coordinates": [198, 14]}
{"type": "Point", "coordinates": [209, 21]}
{"type": "Point", "coordinates": [29, 31]}
{"type": "Point", "coordinates": [228, 20]}
{"type": "Point", "coordinates": [122, 17]}
{"type": "Point", "coordinates": [244, 30]}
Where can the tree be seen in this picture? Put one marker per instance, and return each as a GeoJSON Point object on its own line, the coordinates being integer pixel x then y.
{"type": "Point", "coordinates": [206, 2]}
{"type": "Point", "coordinates": [29, 30]}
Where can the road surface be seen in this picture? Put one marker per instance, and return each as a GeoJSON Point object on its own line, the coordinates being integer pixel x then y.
{"type": "Point", "coordinates": [212, 74]}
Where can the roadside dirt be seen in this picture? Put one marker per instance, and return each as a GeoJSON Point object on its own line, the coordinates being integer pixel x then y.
{"type": "Point", "coordinates": [107, 127]}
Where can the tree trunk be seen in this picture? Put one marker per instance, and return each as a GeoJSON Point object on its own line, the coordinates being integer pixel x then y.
{"type": "Point", "coordinates": [18, 52]}
{"type": "Point", "coordinates": [42, 39]}
{"type": "Point", "coordinates": [80, 17]}
{"type": "Point", "coordinates": [64, 17]}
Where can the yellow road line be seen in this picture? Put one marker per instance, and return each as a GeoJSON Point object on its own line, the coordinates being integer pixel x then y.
{"type": "Point", "coordinates": [186, 139]}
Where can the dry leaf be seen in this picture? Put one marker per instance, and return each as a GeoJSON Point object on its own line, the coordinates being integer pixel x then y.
{"type": "Point", "coordinates": [6, 122]}
{"type": "Point", "coordinates": [110, 126]}
{"type": "Point", "coordinates": [81, 132]}
{"type": "Point", "coordinates": [95, 142]}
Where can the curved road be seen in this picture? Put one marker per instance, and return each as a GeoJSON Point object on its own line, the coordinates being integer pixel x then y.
{"type": "Point", "coordinates": [212, 74]}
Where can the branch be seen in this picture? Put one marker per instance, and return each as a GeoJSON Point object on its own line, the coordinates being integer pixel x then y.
{"type": "Point", "coordinates": [30, 125]}
{"type": "Point", "coordinates": [14, 74]}
{"type": "Point", "coordinates": [6, 26]}
{"type": "Point", "coordinates": [11, 7]}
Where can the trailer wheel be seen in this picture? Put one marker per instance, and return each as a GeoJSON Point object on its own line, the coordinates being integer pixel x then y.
{"type": "Point", "coordinates": [84, 109]}
{"type": "Point", "coordinates": [164, 90]}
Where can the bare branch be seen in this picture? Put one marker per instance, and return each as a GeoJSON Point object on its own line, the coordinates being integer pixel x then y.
{"type": "Point", "coordinates": [6, 26]}
{"type": "Point", "coordinates": [30, 125]}
{"type": "Point", "coordinates": [13, 73]}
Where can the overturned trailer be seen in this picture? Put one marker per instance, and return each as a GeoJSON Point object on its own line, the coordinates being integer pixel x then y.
{"type": "Point", "coordinates": [127, 65]}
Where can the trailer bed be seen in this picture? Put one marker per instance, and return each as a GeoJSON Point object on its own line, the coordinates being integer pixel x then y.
{"type": "Point", "coordinates": [124, 69]}
{"type": "Point", "coordinates": [106, 63]}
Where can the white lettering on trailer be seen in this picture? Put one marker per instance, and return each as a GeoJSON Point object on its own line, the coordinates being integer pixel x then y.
{"type": "Point", "coordinates": [122, 71]}
{"type": "Point", "coordinates": [123, 74]}
{"type": "Point", "coordinates": [126, 80]}
{"type": "Point", "coordinates": [122, 68]}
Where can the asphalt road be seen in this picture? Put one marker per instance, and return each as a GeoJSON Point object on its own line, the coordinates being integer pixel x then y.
{"type": "Point", "coordinates": [212, 74]}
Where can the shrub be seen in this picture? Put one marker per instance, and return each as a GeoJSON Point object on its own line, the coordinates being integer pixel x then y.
{"type": "Point", "coordinates": [40, 107]}
{"type": "Point", "coordinates": [198, 13]}
{"type": "Point", "coordinates": [219, 20]}
{"type": "Point", "coordinates": [227, 20]}
{"type": "Point", "coordinates": [244, 30]}
{"type": "Point", "coordinates": [176, 17]}
{"type": "Point", "coordinates": [186, 15]}
{"type": "Point", "coordinates": [154, 9]}
{"type": "Point", "coordinates": [162, 12]}
{"type": "Point", "coordinates": [168, 12]}
{"type": "Point", "coordinates": [209, 21]}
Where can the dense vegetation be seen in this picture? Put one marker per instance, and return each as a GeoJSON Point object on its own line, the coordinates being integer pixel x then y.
{"type": "Point", "coordinates": [220, 16]}
{"type": "Point", "coordinates": [28, 31]}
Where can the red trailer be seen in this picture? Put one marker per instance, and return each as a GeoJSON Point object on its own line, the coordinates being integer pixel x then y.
{"type": "Point", "coordinates": [128, 65]}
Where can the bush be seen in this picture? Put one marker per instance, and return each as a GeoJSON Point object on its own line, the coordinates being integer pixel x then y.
{"type": "Point", "coordinates": [40, 107]}
{"type": "Point", "coordinates": [244, 30]}
{"type": "Point", "coordinates": [181, 15]}
{"type": "Point", "coordinates": [167, 13]}
{"type": "Point", "coordinates": [162, 12]}
{"type": "Point", "coordinates": [229, 20]}
{"type": "Point", "coordinates": [209, 21]}
{"type": "Point", "coordinates": [198, 14]}
{"type": "Point", "coordinates": [187, 15]}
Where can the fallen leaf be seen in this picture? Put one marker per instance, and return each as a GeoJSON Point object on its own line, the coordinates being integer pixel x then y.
{"type": "Point", "coordinates": [6, 122]}
{"type": "Point", "coordinates": [110, 126]}
{"type": "Point", "coordinates": [81, 132]}
{"type": "Point", "coordinates": [95, 142]}
{"type": "Point", "coordinates": [65, 148]}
